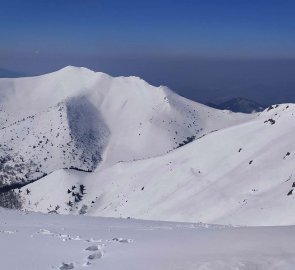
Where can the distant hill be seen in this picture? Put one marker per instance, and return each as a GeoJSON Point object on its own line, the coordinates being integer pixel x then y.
{"type": "Point", "coordinates": [239, 105]}
{"type": "Point", "coordinates": [5, 73]}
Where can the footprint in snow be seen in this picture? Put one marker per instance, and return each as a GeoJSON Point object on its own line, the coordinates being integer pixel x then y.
{"type": "Point", "coordinates": [92, 240]}
{"type": "Point", "coordinates": [65, 266]}
{"type": "Point", "coordinates": [63, 237]}
{"type": "Point", "coordinates": [44, 231]}
{"type": "Point", "coordinates": [122, 240]}
{"type": "Point", "coordinates": [77, 238]}
{"type": "Point", "coordinates": [95, 256]}
{"type": "Point", "coordinates": [87, 264]}
{"type": "Point", "coordinates": [8, 232]}
{"type": "Point", "coordinates": [98, 254]}
{"type": "Point", "coordinates": [93, 248]}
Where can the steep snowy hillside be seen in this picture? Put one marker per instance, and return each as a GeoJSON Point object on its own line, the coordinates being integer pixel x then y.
{"type": "Point", "coordinates": [243, 174]}
{"type": "Point", "coordinates": [76, 118]}
{"type": "Point", "coordinates": [68, 135]}
{"type": "Point", "coordinates": [31, 241]}
{"type": "Point", "coordinates": [152, 154]}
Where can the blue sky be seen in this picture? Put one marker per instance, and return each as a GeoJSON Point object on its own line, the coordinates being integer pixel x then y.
{"type": "Point", "coordinates": [225, 28]}
{"type": "Point", "coordinates": [122, 37]}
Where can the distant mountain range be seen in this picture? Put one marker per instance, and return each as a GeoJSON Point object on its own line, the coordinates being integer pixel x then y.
{"type": "Point", "coordinates": [5, 73]}
{"type": "Point", "coordinates": [238, 105]}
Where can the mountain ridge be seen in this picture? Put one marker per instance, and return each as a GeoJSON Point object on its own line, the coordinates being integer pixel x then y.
{"type": "Point", "coordinates": [150, 153]}
{"type": "Point", "coordinates": [52, 118]}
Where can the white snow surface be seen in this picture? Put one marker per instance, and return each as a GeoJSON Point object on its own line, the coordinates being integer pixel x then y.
{"type": "Point", "coordinates": [238, 170]}
{"type": "Point", "coordinates": [133, 154]}
{"type": "Point", "coordinates": [240, 175]}
{"type": "Point", "coordinates": [34, 241]}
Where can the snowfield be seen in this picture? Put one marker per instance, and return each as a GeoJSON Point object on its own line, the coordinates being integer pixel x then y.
{"type": "Point", "coordinates": [33, 241]}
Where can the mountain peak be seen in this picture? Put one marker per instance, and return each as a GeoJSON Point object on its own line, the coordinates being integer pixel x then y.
{"type": "Point", "coordinates": [80, 118]}
{"type": "Point", "coordinates": [74, 70]}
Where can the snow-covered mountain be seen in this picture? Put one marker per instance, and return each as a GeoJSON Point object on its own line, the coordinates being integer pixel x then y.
{"type": "Point", "coordinates": [242, 175]}
{"type": "Point", "coordinates": [76, 118]}
{"type": "Point", "coordinates": [120, 147]}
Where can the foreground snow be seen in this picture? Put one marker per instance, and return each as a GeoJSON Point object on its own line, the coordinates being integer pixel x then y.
{"type": "Point", "coordinates": [32, 241]}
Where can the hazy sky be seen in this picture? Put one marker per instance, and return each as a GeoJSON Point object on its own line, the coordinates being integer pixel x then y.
{"type": "Point", "coordinates": [204, 50]}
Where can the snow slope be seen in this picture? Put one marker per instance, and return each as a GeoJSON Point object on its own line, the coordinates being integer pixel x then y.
{"type": "Point", "coordinates": [243, 174]}
{"type": "Point", "coordinates": [56, 128]}
{"type": "Point", "coordinates": [32, 241]}
{"type": "Point", "coordinates": [76, 118]}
